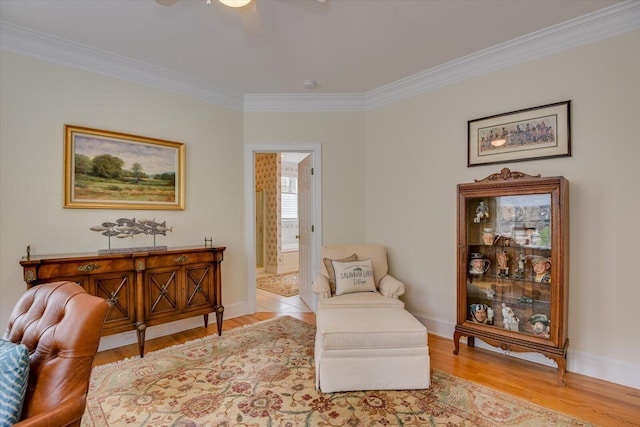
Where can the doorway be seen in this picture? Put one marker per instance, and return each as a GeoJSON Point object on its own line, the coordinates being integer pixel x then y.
{"type": "Point", "coordinates": [307, 254]}
{"type": "Point", "coordinates": [277, 222]}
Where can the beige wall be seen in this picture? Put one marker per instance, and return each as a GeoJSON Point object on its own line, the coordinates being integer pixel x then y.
{"type": "Point", "coordinates": [342, 138]}
{"type": "Point", "coordinates": [38, 98]}
{"type": "Point", "coordinates": [388, 176]}
{"type": "Point", "coordinates": [416, 154]}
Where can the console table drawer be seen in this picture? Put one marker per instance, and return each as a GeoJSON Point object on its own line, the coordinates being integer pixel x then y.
{"type": "Point", "coordinates": [77, 268]}
{"type": "Point", "coordinates": [179, 259]}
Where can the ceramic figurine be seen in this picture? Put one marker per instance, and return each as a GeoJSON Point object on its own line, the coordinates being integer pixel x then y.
{"type": "Point", "coordinates": [488, 237]}
{"type": "Point", "coordinates": [521, 260]}
{"type": "Point", "coordinates": [482, 211]}
{"type": "Point", "coordinates": [509, 318]}
{"type": "Point", "coordinates": [478, 265]}
{"type": "Point", "coordinates": [490, 292]}
{"type": "Point", "coordinates": [540, 325]}
{"type": "Point", "coordinates": [525, 300]}
{"type": "Point", "coordinates": [503, 264]}
{"type": "Point", "coordinates": [479, 313]}
{"type": "Point", "coordinates": [541, 268]}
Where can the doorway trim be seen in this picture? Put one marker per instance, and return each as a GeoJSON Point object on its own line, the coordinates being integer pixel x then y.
{"type": "Point", "coordinates": [250, 209]}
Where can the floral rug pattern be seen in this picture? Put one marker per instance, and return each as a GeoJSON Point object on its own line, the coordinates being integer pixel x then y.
{"type": "Point", "coordinates": [281, 284]}
{"type": "Point", "coordinates": [263, 375]}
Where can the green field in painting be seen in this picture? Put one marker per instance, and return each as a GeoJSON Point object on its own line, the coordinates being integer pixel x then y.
{"type": "Point", "coordinates": [123, 190]}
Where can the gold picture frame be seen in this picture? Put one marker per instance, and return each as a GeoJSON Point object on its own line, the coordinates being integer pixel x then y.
{"type": "Point", "coordinates": [529, 134]}
{"type": "Point", "coordinates": [112, 170]}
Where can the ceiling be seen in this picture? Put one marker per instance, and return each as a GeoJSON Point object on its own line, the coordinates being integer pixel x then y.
{"type": "Point", "coordinates": [346, 46]}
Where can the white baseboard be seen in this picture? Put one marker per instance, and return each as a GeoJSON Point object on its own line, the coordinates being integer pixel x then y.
{"type": "Point", "coordinates": [615, 371]}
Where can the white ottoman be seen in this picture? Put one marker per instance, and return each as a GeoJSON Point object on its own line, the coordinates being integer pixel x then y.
{"type": "Point", "coordinates": [370, 349]}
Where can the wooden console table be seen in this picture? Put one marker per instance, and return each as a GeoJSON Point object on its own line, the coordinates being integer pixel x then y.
{"type": "Point", "coordinates": [145, 288]}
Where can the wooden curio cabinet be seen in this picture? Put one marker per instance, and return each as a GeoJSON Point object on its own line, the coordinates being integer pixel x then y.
{"type": "Point", "coordinates": [513, 264]}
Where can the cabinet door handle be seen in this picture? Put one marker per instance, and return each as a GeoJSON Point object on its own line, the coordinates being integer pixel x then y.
{"type": "Point", "coordinates": [88, 267]}
{"type": "Point", "coordinates": [181, 258]}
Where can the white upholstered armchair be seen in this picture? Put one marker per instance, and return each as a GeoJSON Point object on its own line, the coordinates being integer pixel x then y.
{"type": "Point", "coordinates": [365, 339]}
{"type": "Point", "coordinates": [386, 286]}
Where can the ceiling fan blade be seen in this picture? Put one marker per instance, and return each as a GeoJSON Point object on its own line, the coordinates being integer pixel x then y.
{"type": "Point", "coordinates": [167, 2]}
{"type": "Point", "coordinates": [251, 19]}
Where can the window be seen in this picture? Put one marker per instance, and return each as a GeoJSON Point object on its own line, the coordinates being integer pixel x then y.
{"type": "Point", "coordinates": [289, 197]}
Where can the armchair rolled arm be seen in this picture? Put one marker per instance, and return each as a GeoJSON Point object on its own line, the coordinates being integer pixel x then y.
{"type": "Point", "coordinates": [67, 413]}
{"type": "Point", "coordinates": [391, 287]}
{"type": "Point", "coordinates": [321, 287]}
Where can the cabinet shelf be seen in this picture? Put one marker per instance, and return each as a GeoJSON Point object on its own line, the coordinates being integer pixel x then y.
{"type": "Point", "coordinates": [523, 247]}
{"type": "Point", "coordinates": [505, 281]}
{"type": "Point", "coordinates": [512, 264]}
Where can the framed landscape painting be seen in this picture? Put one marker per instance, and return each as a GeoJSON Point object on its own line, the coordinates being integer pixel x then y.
{"type": "Point", "coordinates": [534, 133]}
{"type": "Point", "coordinates": [110, 170]}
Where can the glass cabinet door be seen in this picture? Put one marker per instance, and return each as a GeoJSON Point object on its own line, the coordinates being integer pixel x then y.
{"type": "Point", "coordinates": [509, 269]}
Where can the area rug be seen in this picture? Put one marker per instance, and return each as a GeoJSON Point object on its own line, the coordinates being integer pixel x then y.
{"type": "Point", "coordinates": [263, 375]}
{"type": "Point", "coordinates": [281, 284]}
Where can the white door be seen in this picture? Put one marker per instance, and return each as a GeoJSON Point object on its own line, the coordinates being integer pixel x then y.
{"type": "Point", "coordinates": [305, 228]}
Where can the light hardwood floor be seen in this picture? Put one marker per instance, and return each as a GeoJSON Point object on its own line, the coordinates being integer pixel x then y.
{"type": "Point", "coordinates": [592, 400]}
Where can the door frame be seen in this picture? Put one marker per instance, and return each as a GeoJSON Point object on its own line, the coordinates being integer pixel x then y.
{"type": "Point", "coordinates": [250, 209]}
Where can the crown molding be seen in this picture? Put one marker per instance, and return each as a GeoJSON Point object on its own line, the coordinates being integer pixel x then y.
{"type": "Point", "coordinates": [605, 23]}
{"type": "Point", "coordinates": [50, 48]}
{"type": "Point", "coordinates": [608, 22]}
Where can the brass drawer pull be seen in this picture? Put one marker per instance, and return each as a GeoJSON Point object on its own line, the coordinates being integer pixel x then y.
{"type": "Point", "coordinates": [181, 258]}
{"type": "Point", "coordinates": [88, 267]}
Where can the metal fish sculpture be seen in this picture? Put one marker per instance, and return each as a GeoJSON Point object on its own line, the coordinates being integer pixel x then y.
{"type": "Point", "coordinates": [125, 227]}
{"type": "Point", "coordinates": [156, 224]}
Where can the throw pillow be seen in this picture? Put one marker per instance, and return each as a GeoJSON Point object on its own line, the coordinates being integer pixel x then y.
{"type": "Point", "coordinates": [14, 374]}
{"type": "Point", "coordinates": [332, 275]}
{"type": "Point", "coordinates": [355, 276]}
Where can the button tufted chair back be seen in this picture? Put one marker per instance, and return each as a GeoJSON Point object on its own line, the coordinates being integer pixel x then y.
{"type": "Point", "coordinates": [61, 326]}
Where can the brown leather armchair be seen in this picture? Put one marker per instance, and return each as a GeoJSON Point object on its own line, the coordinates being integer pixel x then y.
{"type": "Point", "coordinates": [61, 326]}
